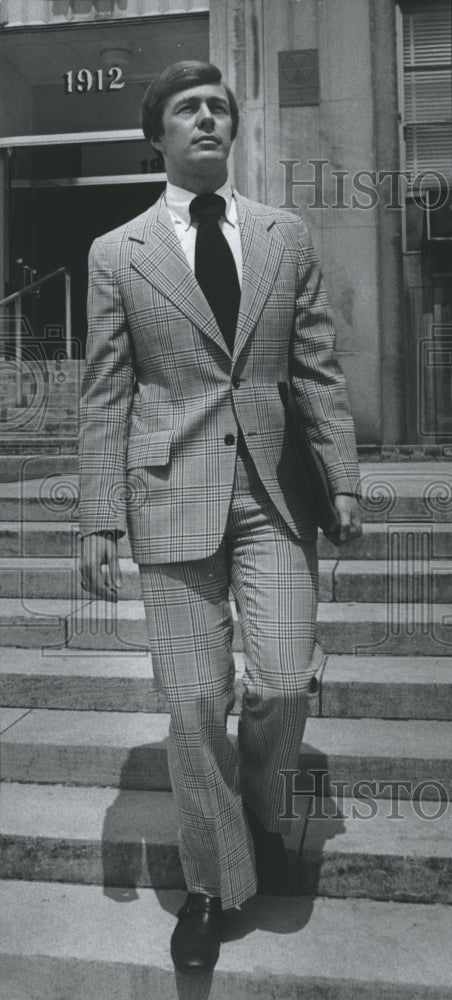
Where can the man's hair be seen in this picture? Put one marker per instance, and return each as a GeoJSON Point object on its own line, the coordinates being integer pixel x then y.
{"type": "Point", "coordinates": [180, 76]}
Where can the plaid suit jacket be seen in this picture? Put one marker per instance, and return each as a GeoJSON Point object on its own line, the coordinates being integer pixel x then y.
{"type": "Point", "coordinates": [162, 399]}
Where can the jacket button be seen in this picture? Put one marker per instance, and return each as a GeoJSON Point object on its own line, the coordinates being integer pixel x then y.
{"type": "Point", "coordinates": [229, 439]}
{"type": "Point", "coordinates": [236, 381]}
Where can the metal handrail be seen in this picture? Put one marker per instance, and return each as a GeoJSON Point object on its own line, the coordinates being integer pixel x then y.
{"type": "Point", "coordinates": [16, 297]}
{"type": "Point", "coordinates": [33, 286]}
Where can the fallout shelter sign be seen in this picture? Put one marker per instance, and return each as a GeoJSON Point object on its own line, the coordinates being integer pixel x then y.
{"type": "Point", "coordinates": [298, 78]}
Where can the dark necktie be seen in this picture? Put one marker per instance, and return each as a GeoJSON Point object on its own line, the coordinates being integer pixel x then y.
{"type": "Point", "coordinates": [215, 267]}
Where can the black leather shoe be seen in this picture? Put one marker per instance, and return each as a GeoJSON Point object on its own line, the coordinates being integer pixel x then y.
{"type": "Point", "coordinates": [195, 942]}
{"type": "Point", "coordinates": [272, 866]}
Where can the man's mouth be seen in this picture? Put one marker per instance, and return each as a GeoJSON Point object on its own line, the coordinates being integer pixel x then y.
{"type": "Point", "coordinates": [208, 138]}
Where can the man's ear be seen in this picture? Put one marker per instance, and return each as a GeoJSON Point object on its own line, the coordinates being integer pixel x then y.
{"type": "Point", "coordinates": [158, 159]}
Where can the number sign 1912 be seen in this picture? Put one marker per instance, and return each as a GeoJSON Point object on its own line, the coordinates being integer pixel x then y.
{"type": "Point", "coordinates": [83, 80]}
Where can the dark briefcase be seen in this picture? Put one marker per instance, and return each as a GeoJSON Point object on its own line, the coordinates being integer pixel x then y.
{"type": "Point", "coordinates": [311, 468]}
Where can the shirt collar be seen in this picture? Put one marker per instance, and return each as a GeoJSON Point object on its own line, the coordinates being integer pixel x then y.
{"type": "Point", "coordinates": [178, 202]}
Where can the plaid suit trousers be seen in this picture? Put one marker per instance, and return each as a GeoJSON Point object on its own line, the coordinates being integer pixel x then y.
{"type": "Point", "coordinates": [274, 579]}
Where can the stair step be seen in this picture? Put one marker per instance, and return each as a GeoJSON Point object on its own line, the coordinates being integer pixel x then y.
{"type": "Point", "coordinates": [357, 628]}
{"type": "Point", "coordinates": [380, 629]}
{"type": "Point", "coordinates": [129, 838]}
{"type": "Point", "coordinates": [394, 581]}
{"type": "Point", "coordinates": [60, 578]}
{"type": "Point", "coordinates": [99, 836]}
{"type": "Point", "coordinates": [392, 493]}
{"type": "Point", "coordinates": [60, 538]}
{"type": "Point", "coordinates": [52, 498]}
{"type": "Point", "coordinates": [89, 835]}
{"type": "Point", "coordinates": [47, 578]}
{"type": "Point", "coordinates": [379, 850]}
{"type": "Point", "coordinates": [353, 580]}
{"type": "Point", "coordinates": [378, 581]}
{"type": "Point", "coordinates": [76, 941]}
{"type": "Point", "coordinates": [128, 750]}
{"type": "Point", "coordinates": [88, 748]}
{"type": "Point", "coordinates": [44, 539]}
{"type": "Point", "coordinates": [67, 679]}
{"type": "Point", "coordinates": [8, 716]}
{"type": "Point", "coordinates": [37, 444]}
{"type": "Point", "coordinates": [380, 687]}
{"type": "Point", "coordinates": [16, 468]}
{"type": "Point", "coordinates": [379, 541]}
{"type": "Point", "coordinates": [388, 687]}
{"type": "Point", "coordinates": [419, 491]}
{"type": "Point", "coordinates": [36, 623]}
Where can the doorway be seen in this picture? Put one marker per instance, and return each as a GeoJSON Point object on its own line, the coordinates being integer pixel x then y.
{"type": "Point", "coordinates": [54, 227]}
{"type": "Point", "coordinates": [73, 161]}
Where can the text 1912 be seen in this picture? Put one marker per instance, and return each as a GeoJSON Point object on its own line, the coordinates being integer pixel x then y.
{"type": "Point", "coordinates": [82, 81]}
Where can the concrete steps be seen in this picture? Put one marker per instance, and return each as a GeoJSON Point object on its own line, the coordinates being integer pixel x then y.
{"type": "Point", "coordinates": [418, 492]}
{"type": "Point", "coordinates": [44, 539]}
{"type": "Point", "coordinates": [397, 581]}
{"type": "Point", "coordinates": [52, 498]}
{"type": "Point", "coordinates": [89, 835]}
{"type": "Point", "coordinates": [76, 941]}
{"type": "Point", "coordinates": [15, 468]}
{"type": "Point", "coordinates": [37, 443]}
{"type": "Point", "coordinates": [86, 798]}
{"type": "Point", "coordinates": [67, 680]}
{"type": "Point", "coordinates": [378, 849]}
{"type": "Point", "coordinates": [350, 686]}
{"type": "Point", "coordinates": [60, 539]}
{"type": "Point", "coordinates": [129, 750]}
{"type": "Point", "coordinates": [401, 581]}
{"type": "Point", "coordinates": [356, 628]}
{"type": "Point", "coordinates": [28, 577]}
{"type": "Point", "coordinates": [128, 838]}
{"type": "Point", "coordinates": [388, 687]}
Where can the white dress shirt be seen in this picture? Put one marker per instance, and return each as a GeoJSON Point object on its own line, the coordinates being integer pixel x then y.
{"type": "Point", "coordinates": [178, 204]}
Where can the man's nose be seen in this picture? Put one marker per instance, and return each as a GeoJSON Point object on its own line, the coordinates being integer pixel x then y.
{"type": "Point", "coordinates": [205, 118]}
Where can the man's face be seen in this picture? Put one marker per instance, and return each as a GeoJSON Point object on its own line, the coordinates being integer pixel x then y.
{"type": "Point", "coordinates": [196, 136]}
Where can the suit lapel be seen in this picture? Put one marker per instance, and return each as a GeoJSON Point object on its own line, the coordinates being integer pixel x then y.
{"type": "Point", "coordinates": [158, 256]}
{"type": "Point", "coordinates": [262, 250]}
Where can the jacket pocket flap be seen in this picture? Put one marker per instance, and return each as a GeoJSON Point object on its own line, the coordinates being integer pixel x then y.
{"type": "Point", "coordinates": [149, 449]}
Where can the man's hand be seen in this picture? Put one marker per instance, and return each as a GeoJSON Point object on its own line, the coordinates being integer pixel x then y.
{"type": "Point", "coordinates": [99, 566]}
{"type": "Point", "coordinates": [350, 517]}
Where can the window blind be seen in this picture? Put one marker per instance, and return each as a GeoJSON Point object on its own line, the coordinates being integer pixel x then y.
{"type": "Point", "coordinates": [427, 74]}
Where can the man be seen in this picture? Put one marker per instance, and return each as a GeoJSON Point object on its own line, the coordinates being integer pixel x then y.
{"type": "Point", "coordinates": [198, 309]}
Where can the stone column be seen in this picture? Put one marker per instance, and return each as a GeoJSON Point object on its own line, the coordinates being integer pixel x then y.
{"type": "Point", "coordinates": [3, 243]}
{"type": "Point", "coordinates": [396, 364]}
{"type": "Point", "coordinates": [353, 128]}
{"type": "Point", "coordinates": [236, 46]}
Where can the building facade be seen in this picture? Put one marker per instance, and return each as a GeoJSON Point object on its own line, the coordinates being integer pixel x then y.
{"type": "Point", "coordinates": [346, 117]}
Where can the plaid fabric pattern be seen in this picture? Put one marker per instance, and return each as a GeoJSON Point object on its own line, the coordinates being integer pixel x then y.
{"type": "Point", "coordinates": [273, 576]}
{"type": "Point", "coordinates": [161, 395]}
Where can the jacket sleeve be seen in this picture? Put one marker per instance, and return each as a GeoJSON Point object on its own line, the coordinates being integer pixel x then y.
{"type": "Point", "coordinates": [317, 381]}
{"type": "Point", "coordinates": [105, 401]}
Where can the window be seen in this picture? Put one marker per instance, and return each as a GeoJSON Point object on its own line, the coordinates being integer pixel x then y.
{"type": "Point", "coordinates": [427, 90]}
